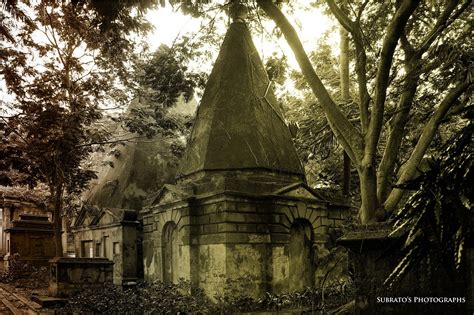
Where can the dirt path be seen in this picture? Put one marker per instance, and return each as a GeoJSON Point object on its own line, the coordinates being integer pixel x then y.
{"type": "Point", "coordinates": [4, 309]}
{"type": "Point", "coordinates": [12, 302]}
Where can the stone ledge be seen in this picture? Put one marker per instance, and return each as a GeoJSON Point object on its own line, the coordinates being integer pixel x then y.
{"type": "Point", "coordinates": [80, 260]}
{"type": "Point", "coordinates": [47, 301]}
{"type": "Point", "coordinates": [371, 233]}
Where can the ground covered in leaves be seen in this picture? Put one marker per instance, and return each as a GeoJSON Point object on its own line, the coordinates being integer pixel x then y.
{"type": "Point", "coordinates": [181, 298]}
{"type": "Point", "coordinates": [25, 279]}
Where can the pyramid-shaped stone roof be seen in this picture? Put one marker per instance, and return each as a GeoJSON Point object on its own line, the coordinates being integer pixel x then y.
{"type": "Point", "coordinates": [239, 123]}
{"type": "Point", "coordinates": [140, 167]}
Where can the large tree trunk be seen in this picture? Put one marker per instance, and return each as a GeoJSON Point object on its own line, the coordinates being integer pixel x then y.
{"type": "Point", "coordinates": [346, 133]}
{"type": "Point", "coordinates": [397, 132]}
{"type": "Point", "coordinates": [346, 182]}
{"type": "Point", "coordinates": [368, 194]}
{"type": "Point", "coordinates": [57, 222]}
{"type": "Point", "coordinates": [362, 146]}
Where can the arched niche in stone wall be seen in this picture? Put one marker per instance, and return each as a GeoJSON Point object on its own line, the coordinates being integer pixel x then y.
{"type": "Point", "coordinates": [170, 254]}
{"type": "Point", "coordinates": [301, 255]}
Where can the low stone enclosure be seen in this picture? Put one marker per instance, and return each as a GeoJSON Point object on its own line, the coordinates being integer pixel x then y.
{"type": "Point", "coordinates": [25, 227]}
{"type": "Point", "coordinates": [113, 234]}
{"type": "Point", "coordinates": [69, 276]}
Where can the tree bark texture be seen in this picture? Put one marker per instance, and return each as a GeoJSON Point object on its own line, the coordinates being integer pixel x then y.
{"type": "Point", "coordinates": [345, 95]}
{"type": "Point", "coordinates": [346, 133]}
{"type": "Point", "coordinates": [57, 222]}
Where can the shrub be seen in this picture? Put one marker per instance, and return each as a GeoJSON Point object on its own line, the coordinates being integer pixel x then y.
{"type": "Point", "coordinates": [183, 298]}
{"type": "Point", "coordinates": [109, 299]}
{"type": "Point", "coordinates": [155, 298]}
{"type": "Point", "coordinates": [24, 274]}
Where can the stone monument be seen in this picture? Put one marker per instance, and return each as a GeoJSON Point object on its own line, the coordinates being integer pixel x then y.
{"type": "Point", "coordinates": [241, 209]}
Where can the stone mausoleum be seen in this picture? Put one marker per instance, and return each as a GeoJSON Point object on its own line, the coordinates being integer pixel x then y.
{"type": "Point", "coordinates": [241, 209]}
{"type": "Point", "coordinates": [107, 225]}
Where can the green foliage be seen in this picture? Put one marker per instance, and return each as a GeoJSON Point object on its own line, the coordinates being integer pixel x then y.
{"type": "Point", "coordinates": [183, 298]}
{"type": "Point", "coordinates": [234, 297]}
{"type": "Point", "coordinates": [108, 299]}
{"type": "Point", "coordinates": [174, 298]}
{"type": "Point", "coordinates": [51, 119]}
{"type": "Point", "coordinates": [10, 9]}
{"type": "Point", "coordinates": [277, 68]}
{"type": "Point", "coordinates": [63, 70]}
{"type": "Point", "coordinates": [293, 300]}
{"type": "Point", "coordinates": [438, 216]}
{"type": "Point", "coordinates": [155, 298]}
{"type": "Point", "coordinates": [309, 300]}
{"type": "Point", "coordinates": [164, 80]}
{"type": "Point", "coordinates": [315, 142]}
{"type": "Point", "coordinates": [167, 76]}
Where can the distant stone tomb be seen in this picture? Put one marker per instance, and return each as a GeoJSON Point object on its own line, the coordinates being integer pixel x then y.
{"type": "Point", "coordinates": [107, 226]}
{"type": "Point", "coordinates": [31, 237]}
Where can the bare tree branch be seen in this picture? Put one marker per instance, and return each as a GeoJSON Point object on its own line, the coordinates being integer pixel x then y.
{"type": "Point", "coordinates": [394, 31]}
{"type": "Point", "coordinates": [343, 19]}
{"type": "Point", "coordinates": [361, 60]}
{"type": "Point", "coordinates": [443, 22]}
{"type": "Point", "coordinates": [361, 9]}
{"type": "Point", "coordinates": [397, 132]}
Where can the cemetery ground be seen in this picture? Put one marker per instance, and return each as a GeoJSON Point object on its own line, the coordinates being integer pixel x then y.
{"type": "Point", "coordinates": [24, 290]}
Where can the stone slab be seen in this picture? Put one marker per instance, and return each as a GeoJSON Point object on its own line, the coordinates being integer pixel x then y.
{"type": "Point", "coordinates": [48, 301]}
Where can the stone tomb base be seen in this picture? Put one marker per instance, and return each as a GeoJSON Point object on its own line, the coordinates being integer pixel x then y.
{"type": "Point", "coordinates": [71, 275]}
{"type": "Point", "coordinates": [254, 243]}
{"type": "Point", "coordinates": [374, 255]}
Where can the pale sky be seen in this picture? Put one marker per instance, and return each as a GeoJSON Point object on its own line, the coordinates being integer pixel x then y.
{"type": "Point", "coordinates": [169, 23]}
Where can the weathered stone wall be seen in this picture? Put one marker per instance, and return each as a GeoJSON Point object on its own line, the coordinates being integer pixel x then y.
{"type": "Point", "coordinates": [235, 236]}
{"type": "Point", "coordinates": [153, 224]}
{"type": "Point", "coordinates": [32, 238]}
{"type": "Point", "coordinates": [115, 242]}
{"type": "Point", "coordinates": [11, 210]}
{"type": "Point", "coordinates": [71, 275]}
{"type": "Point", "coordinates": [129, 254]}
